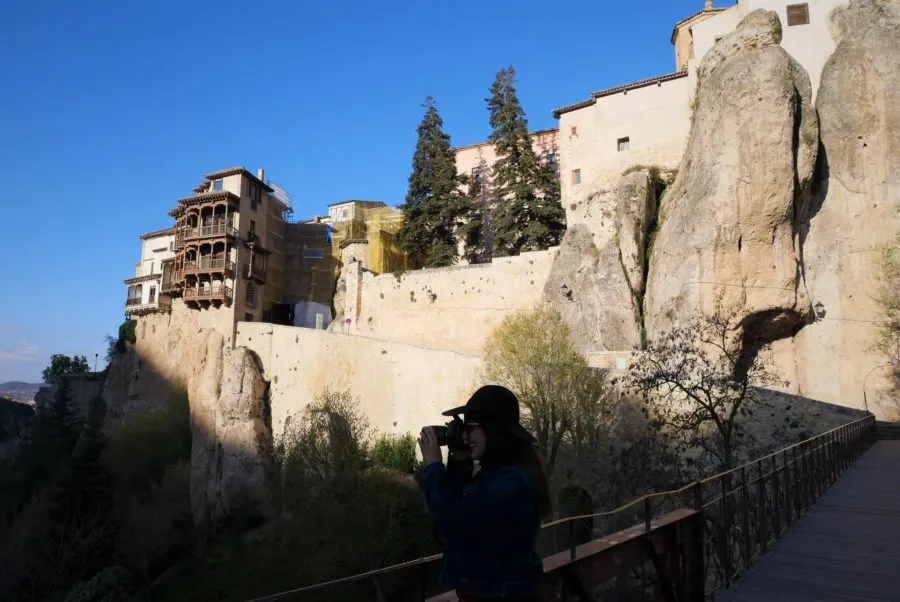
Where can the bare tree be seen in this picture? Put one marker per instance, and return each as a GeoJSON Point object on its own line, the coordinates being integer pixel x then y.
{"type": "Point", "coordinates": [697, 385]}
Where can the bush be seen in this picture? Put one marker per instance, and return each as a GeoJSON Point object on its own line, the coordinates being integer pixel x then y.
{"type": "Point", "coordinates": [112, 584]}
{"type": "Point", "coordinates": [396, 453]}
{"type": "Point", "coordinates": [142, 449]}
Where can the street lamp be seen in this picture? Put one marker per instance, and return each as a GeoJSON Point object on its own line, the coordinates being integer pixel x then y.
{"type": "Point", "coordinates": [96, 357]}
{"type": "Point", "coordinates": [819, 309]}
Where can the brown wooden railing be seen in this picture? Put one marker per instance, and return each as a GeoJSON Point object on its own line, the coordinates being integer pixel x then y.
{"type": "Point", "coordinates": [132, 301]}
{"type": "Point", "coordinates": [208, 293]}
{"type": "Point", "coordinates": [680, 545]}
{"type": "Point", "coordinates": [208, 230]}
{"type": "Point", "coordinates": [208, 263]}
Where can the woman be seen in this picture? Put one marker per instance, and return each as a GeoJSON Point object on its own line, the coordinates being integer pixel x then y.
{"type": "Point", "coordinates": [490, 522]}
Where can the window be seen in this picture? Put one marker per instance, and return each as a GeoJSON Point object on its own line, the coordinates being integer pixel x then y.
{"type": "Point", "coordinates": [798, 14]}
{"type": "Point", "coordinates": [255, 196]}
{"type": "Point", "coordinates": [251, 295]}
{"type": "Point", "coordinates": [477, 173]}
{"type": "Point", "coordinates": [573, 131]}
{"type": "Point", "coordinates": [623, 144]}
{"type": "Point", "coordinates": [217, 184]}
{"type": "Point", "coordinates": [576, 176]}
{"type": "Point", "coordinates": [252, 227]}
{"type": "Point", "coordinates": [152, 294]}
{"type": "Point", "coordinates": [248, 317]}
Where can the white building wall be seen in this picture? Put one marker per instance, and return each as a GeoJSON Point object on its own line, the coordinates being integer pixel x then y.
{"type": "Point", "coordinates": [810, 44]}
{"type": "Point", "coordinates": [656, 119]}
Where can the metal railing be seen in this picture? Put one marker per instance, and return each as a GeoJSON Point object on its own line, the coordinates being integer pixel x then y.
{"type": "Point", "coordinates": [690, 541]}
{"type": "Point", "coordinates": [257, 272]}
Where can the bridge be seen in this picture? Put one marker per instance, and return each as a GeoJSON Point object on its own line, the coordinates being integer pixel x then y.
{"type": "Point", "coordinates": [816, 521]}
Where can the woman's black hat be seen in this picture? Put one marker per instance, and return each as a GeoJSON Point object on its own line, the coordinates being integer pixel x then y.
{"type": "Point", "coordinates": [497, 405]}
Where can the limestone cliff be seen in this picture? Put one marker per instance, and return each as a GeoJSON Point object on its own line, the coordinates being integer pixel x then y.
{"type": "Point", "coordinates": [855, 207]}
{"type": "Point", "coordinates": [599, 290]}
{"type": "Point", "coordinates": [231, 442]}
{"type": "Point", "coordinates": [727, 240]}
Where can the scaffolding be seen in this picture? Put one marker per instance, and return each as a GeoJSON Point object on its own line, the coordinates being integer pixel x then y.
{"type": "Point", "coordinates": [378, 228]}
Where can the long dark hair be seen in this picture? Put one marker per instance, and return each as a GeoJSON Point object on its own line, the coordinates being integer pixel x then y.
{"type": "Point", "coordinates": [505, 449]}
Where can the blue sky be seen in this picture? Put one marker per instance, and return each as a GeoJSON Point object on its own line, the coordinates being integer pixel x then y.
{"type": "Point", "coordinates": [112, 110]}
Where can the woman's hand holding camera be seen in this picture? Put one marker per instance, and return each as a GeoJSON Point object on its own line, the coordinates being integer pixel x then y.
{"type": "Point", "coordinates": [428, 443]}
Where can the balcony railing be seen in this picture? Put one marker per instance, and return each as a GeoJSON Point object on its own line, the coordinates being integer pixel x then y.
{"type": "Point", "coordinates": [213, 229]}
{"type": "Point", "coordinates": [169, 285]}
{"type": "Point", "coordinates": [208, 264]}
{"type": "Point", "coordinates": [258, 273]}
{"type": "Point", "coordinates": [208, 293]}
{"type": "Point", "coordinates": [130, 302]}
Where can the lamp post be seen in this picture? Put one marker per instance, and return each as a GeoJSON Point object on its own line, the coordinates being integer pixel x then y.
{"type": "Point", "coordinates": [96, 357]}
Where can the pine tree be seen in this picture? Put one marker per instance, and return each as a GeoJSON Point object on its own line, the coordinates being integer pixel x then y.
{"type": "Point", "coordinates": [435, 207]}
{"type": "Point", "coordinates": [477, 232]}
{"type": "Point", "coordinates": [529, 215]}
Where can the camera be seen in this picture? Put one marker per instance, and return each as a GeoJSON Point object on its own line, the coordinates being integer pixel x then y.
{"type": "Point", "coordinates": [450, 434]}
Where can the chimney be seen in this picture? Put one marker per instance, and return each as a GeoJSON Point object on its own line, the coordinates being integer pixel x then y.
{"type": "Point", "coordinates": [261, 174]}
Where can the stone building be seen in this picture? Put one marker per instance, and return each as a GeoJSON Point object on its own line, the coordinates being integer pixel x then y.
{"type": "Point", "coordinates": [647, 122]}
{"type": "Point", "coordinates": [145, 288]}
{"type": "Point", "coordinates": [225, 250]}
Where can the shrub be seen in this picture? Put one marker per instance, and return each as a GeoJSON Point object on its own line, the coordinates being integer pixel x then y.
{"type": "Point", "coordinates": [143, 448]}
{"type": "Point", "coordinates": [396, 453]}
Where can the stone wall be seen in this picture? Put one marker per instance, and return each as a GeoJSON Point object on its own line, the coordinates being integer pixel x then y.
{"type": "Point", "coordinates": [450, 308]}
{"type": "Point", "coordinates": [400, 387]}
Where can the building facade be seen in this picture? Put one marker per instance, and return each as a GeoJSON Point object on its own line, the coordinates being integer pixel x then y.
{"type": "Point", "coordinates": [476, 160]}
{"type": "Point", "coordinates": [225, 250]}
{"type": "Point", "coordinates": [145, 291]}
{"type": "Point", "coordinates": [648, 122]}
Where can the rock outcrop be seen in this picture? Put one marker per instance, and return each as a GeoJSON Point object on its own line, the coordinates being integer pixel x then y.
{"type": "Point", "coordinates": [599, 291]}
{"type": "Point", "coordinates": [727, 240]}
{"type": "Point", "coordinates": [231, 442]}
{"type": "Point", "coordinates": [855, 206]}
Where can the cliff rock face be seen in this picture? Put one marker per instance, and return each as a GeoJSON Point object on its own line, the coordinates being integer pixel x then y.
{"type": "Point", "coordinates": [855, 207]}
{"type": "Point", "coordinates": [727, 239]}
{"type": "Point", "coordinates": [231, 442]}
{"type": "Point", "coordinates": [598, 291]}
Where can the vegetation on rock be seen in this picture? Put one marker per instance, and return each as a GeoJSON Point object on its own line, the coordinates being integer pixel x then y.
{"type": "Point", "coordinates": [63, 365]}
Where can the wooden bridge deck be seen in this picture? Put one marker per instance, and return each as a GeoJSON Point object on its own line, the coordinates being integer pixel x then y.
{"type": "Point", "coordinates": [846, 548]}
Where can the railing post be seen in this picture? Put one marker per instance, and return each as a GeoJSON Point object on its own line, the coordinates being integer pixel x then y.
{"type": "Point", "coordinates": [724, 547]}
{"type": "Point", "coordinates": [647, 514]}
{"type": "Point", "coordinates": [761, 500]}
{"type": "Point", "coordinates": [571, 539]}
{"type": "Point", "coordinates": [798, 494]}
{"type": "Point", "coordinates": [788, 490]}
{"type": "Point", "coordinates": [745, 512]}
{"type": "Point", "coordinates": [776, 498]}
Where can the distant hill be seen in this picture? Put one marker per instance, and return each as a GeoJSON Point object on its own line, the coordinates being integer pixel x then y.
{"type": "Point", "coordinates": [19, 391]}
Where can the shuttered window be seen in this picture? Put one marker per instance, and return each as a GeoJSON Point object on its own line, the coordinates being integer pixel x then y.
{"type": "Point", "coordinates": [798, 14]}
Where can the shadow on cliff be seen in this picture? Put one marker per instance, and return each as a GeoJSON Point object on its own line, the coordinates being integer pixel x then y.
{"type": "Point", "coordinates": [254, 519]}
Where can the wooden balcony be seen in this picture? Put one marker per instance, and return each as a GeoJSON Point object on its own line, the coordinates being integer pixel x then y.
{"type": "Point", "coordinates": [256, 273]}
{"type": "Point", "coordinates": [210, 263]}
{"type": "Point", "coordinates": [208, 293]}
{"type": "Point", "coordinates": [215, 229]}
{"type": "Point", "coordinates": [170, 286]}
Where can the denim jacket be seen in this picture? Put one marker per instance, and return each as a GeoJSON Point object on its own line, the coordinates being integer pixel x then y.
{"type": "Point", "coordinates": [489, 524]}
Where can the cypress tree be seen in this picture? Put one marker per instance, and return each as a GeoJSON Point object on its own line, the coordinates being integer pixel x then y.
{"type": "Point", "coordinates": [529, 215]}
{"type": "Point", "coordinates": [434, 207]}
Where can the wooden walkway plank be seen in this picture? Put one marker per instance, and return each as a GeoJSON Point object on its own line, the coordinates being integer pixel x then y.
{"type": "Point", "coordinates": [845, 548]}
